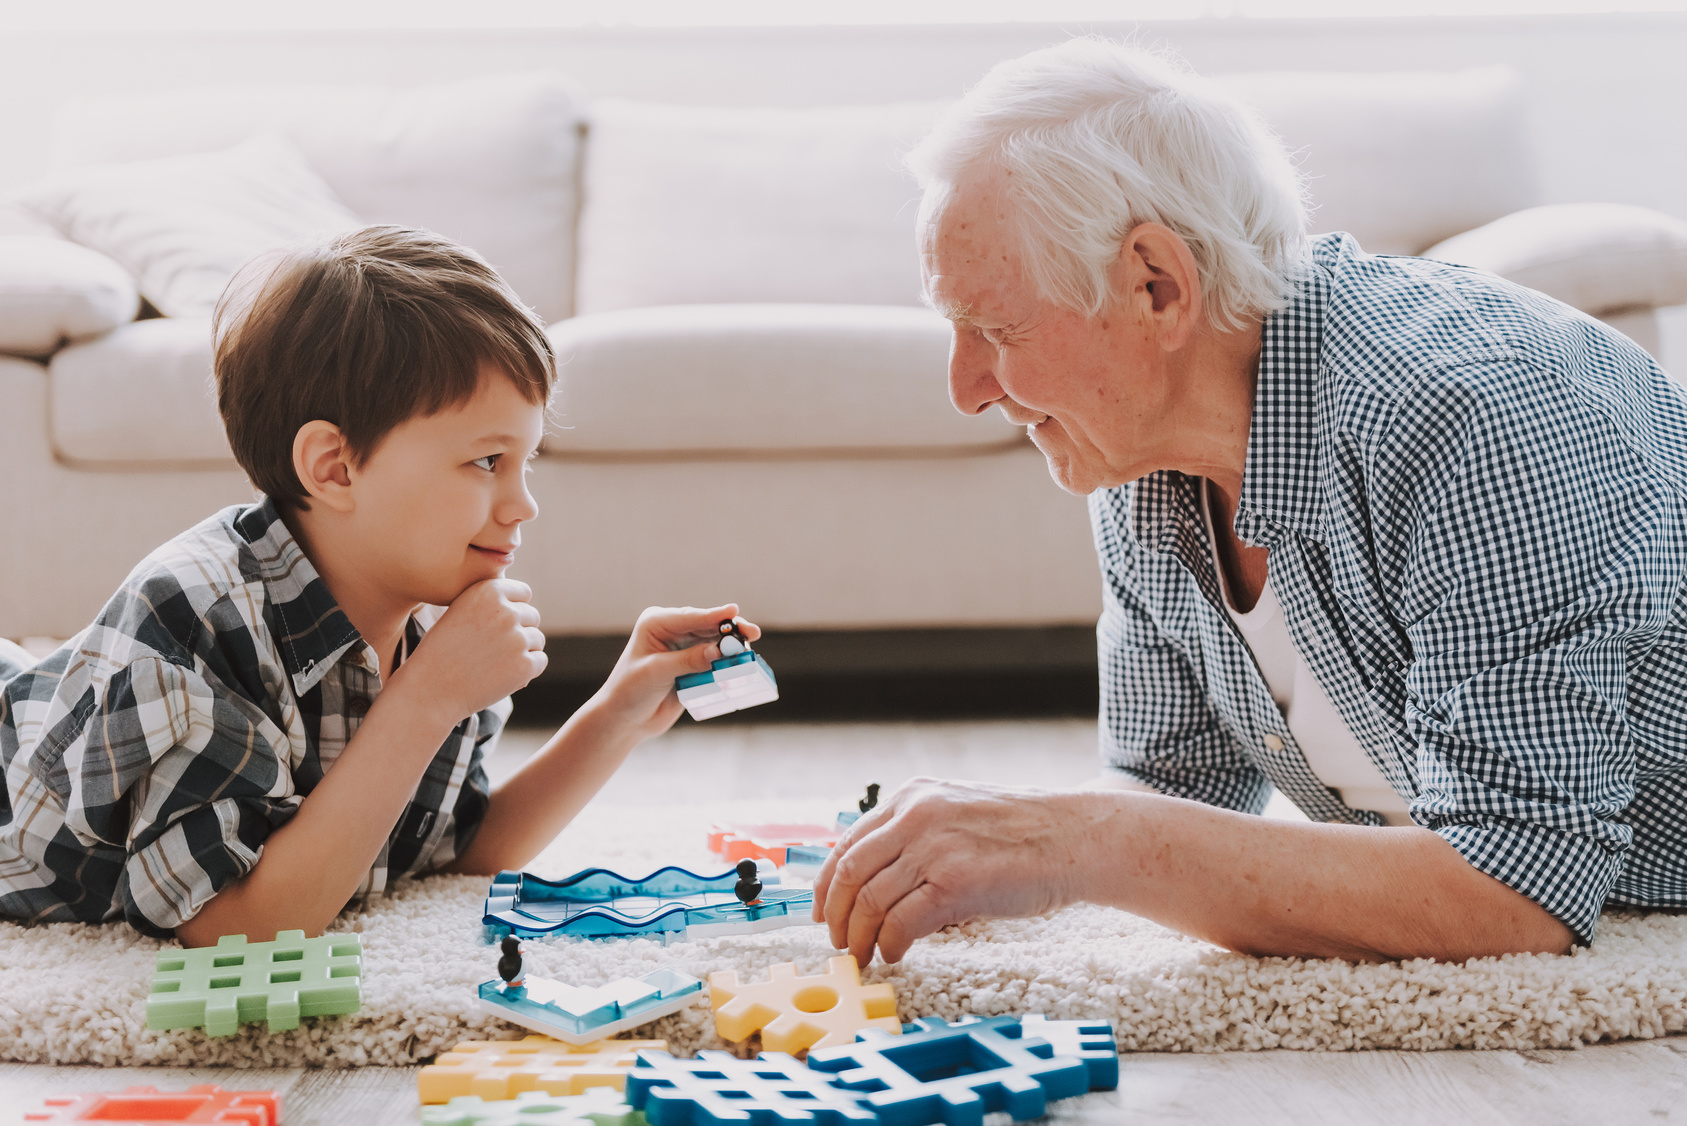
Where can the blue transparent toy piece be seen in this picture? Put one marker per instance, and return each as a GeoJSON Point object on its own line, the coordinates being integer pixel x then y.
{"type": "Point", "coordinates": [955, 1073]}
{"type": "Point", "coordinates": [730, 685]}
{"type": "Point", "coordinates": [669, 903]}
{"type": "Point", "coordinates": [579, 1014]}
{"type": "Point", "coordinates": [803, 861]}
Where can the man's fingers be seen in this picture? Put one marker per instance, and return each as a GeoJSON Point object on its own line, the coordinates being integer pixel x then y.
{"type": "Point", "coordinates": [860, 863]}
{"type": "Point", "coordinates": [915, 915]}
{"type": "Point", "coordinates": [876, 897]}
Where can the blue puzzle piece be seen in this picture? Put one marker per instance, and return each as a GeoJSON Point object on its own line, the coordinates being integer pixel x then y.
{"type": "Point", "coordinates": [579, 1015]}
{"type": "Point", "coordinates": [953, 1073]}
{"type": "Point", "coordinates": [1089, 1040]}
{"type": "Point", "coordinates": [598, 903]}
{"type": "Point", "coordinates": [718, 1089]}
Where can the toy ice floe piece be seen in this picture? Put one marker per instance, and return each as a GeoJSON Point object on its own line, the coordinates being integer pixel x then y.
{"type": "Point", "coordinates": [579, 1015]}
{"type": "Point", "coordinates": [670, 902]}
{"type": "Point", "coordinates": [737, 841]}
{"type": "Point", "coordinates": [802, 862]}
{"type": "Point", "coordinates": [740, 679]}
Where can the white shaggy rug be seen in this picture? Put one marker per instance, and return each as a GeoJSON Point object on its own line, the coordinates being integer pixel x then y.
{"type": "Point", "coordinates": [76, 994]}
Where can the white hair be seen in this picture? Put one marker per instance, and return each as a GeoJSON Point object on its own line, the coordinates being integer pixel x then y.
{"type": "Point", "coordinates": [1098, 137]}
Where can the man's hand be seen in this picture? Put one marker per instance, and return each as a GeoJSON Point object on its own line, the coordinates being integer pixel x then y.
{"type": "Point", "coordinates": [486, 645]}
{"type": "Point", "coordinates": [940, 852]}
{"type": "Point", "coordinates": [667, 643]}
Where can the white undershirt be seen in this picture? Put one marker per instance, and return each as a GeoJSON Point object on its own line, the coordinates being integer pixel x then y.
{"type": "Point", "coordinates": [1318, 729]}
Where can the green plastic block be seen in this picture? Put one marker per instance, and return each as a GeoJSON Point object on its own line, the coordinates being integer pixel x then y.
{"type": "Point", "coordinates": [597, 1106]}
{"type": "Point", "coordinates": [237, 982]}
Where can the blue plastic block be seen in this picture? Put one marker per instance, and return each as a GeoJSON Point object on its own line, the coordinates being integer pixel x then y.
{"type": "Point", "coordinates": [718, 1089]}
{"type": "Point", "coordinates": [804, 861]}
{"type": "Point", "coordinates": [730, 685]}
{"type": "Point", "coordinates": [1089, 1040]}
{"type": "Point", "coordinates": [598, 903]}
{"type": "Point", "coordinates": [580, 1015]}
{"type": "Point", "coordinates": [953, 1074]}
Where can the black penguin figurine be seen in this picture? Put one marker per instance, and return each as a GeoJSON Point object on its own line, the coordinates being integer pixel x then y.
{"type": "Point", "coordinates": [732, 640]}
{"type": "Point", "coordinates": [872, 798]}
{"type": "Point", "coordinates": [512, 967]}
{"type": "Point", "coordinates": [748, 888]}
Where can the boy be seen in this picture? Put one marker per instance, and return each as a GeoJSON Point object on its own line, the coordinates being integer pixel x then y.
{"type": "Point", "coordinates": [256, 728]}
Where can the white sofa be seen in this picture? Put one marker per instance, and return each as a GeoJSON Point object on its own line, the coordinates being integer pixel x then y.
{"type": "Point", "coordinates": [753, 403]}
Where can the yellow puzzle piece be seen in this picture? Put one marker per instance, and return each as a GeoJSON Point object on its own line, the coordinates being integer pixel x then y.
{"type": "Point", "coordinates": [795, 1013]}
{"type": "Point", "coordinates": [503, 1069]}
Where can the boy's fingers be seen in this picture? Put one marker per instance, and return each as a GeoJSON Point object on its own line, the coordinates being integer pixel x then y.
{"type": "Point", "coordinates": [535, 639]}
{"type": "Point", "coordinates": [514, 589]}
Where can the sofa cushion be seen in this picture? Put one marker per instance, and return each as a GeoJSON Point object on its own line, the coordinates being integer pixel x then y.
{"type": "Point", "coordinates": [688, 204]}
{"type": "Point", "coordinates": [1401, 160]}
{"type": "Point", "coordinates": [799, 380]}
{"type": "Point", "coordinates": [1598, 257]}
{"type": "Point", "coordinates": [182, 225]}
{"type": "Point", "coordinates": [53, 291]}
{"type": "Point", "coordinates": [490, 162]}
{"type": "Point", "coordinates": [139, 395]}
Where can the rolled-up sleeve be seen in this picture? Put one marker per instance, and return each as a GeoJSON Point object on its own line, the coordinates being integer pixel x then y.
{"type": "Point", "coordinates": [1541, 562]}
{"type": "Point", "coordinates": [1158, 726]}
{"type": "Point", "coordinates": [206, 781]}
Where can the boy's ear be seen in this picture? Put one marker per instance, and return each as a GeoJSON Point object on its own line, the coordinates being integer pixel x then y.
{"type": "Point", "coordinates": [323, 464]}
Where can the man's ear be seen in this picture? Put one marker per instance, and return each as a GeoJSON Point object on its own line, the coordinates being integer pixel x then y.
{"type": "Point", "coordinates": [1158, 278]}
{"type": "Point", "coordinates": [323, 464]}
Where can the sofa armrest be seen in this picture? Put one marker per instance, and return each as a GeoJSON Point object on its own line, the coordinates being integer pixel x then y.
{"type": "Point", "coordinates": [53, 292]}
{"type": "Point", "coordinates": [1596, 257]}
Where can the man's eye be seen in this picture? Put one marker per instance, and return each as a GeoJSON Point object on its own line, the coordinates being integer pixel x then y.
{"type": "Point", "coordinates": [488, 463]}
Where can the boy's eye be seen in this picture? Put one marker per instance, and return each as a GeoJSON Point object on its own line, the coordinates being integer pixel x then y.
{"type": "Point", "coordinates": [488, 463]}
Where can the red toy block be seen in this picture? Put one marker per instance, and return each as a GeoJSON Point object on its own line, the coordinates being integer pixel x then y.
{"type": "Point", "coordinates": [767, 842]}
{"type": "Point", "coordinates": [148, 1106]}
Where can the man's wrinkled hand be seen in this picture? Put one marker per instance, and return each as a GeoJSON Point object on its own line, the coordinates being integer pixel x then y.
{"type": "Point", "coordinates": [938, 853]}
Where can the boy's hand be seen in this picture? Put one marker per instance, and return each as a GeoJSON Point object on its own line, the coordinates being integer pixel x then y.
{"type": "Point", "coordinates": [486, 645]}
{"type": "Point", "coordinates": [666, 643]}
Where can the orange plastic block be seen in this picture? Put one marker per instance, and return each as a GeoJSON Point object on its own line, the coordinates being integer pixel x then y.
{"type": "Point", "coordinates": [148, 1106]}
{"type": "Point", "coordinates": [503, 1069]}
{"type": "Point", "coordinates": [795, 1013]}
{"type": "Point", "coordinates": [767, 842]}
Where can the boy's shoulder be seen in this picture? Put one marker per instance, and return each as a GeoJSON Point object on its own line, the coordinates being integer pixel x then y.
{"type": "Point", "coordinates": [218, 591]}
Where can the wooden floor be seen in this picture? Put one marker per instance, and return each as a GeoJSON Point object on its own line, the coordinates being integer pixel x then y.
{"type": "Point", "coordinates": [1633, 1082]}
{"type": "Point", "coordinates": [1611, 1084]}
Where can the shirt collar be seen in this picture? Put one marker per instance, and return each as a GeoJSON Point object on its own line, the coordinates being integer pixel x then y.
{"type": "Point", "coordinates": [1280, 480]}
{"type": "Point", "coordinates": [1280, 476]}
{"type": "Point", "coordinates": [312, 633]}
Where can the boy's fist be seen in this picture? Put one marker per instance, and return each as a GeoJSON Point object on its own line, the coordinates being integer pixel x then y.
{"type": "Point", "coordinates": [486, 645]}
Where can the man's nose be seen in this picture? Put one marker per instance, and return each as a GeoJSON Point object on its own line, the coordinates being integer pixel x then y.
{"type": "Point", "coordinates": [972, 374]}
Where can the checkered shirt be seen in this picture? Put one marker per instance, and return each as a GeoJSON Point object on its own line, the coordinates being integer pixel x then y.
{"type": "Point", "coordinates": [1475, 502]}
{"type": "Point", "coordinates": [148, 758]}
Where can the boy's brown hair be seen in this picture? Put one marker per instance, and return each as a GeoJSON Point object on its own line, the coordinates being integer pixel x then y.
{"type": "Point", "coordinates": [365, 330]}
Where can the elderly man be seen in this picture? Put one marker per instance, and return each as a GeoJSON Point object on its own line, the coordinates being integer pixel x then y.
{"type": "Point", "coordinates": [1400, 539]}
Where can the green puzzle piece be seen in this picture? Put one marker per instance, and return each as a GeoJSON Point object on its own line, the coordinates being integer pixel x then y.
{"type": "Point", "coordinates": [236, 982]}
{"type": "Point", "coordinates": [597, 1106]}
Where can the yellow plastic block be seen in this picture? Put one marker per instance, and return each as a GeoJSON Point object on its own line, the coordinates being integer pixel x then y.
{"type": "Point", "coordinates": [503, 1069]}
{"type": "Point", "coordinates": [795, 1013]}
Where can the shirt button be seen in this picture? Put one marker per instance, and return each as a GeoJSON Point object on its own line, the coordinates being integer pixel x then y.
{"type": "Point", "coordinates": [1274, 742]}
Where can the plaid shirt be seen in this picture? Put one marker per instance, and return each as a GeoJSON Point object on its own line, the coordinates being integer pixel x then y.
{"type": "Point", "coordinates": [149, 758]}
{"type": "Point", "coordinates": [1473, 497]}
